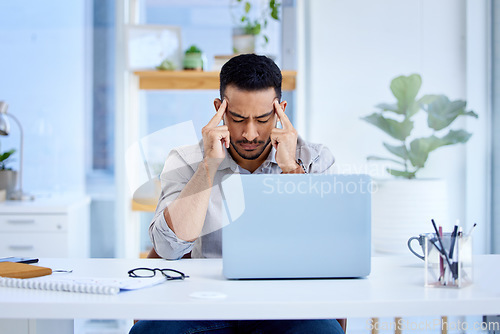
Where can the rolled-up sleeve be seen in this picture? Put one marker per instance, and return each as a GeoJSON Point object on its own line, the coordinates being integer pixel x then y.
{"type": "Point", "coordinates": [165, 242]}
{"type": "Point", "coordinates": [174, 177]}
{"type": "Point", "coordinates": [316, 158]}
{"type": "Point", "coordinates": [322, 162]}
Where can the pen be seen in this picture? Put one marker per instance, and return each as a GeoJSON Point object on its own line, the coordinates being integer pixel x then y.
{"type": "Point", "coordinates": [441, 264]}
{"type": "Point", "coordinates": [442, 247]}
{"type": "Point", "coordinates": [453, 239]}
{"type": "Point", "coordinates": [471, 229]}
{"type": "Point", "coordinates": [454, 268]}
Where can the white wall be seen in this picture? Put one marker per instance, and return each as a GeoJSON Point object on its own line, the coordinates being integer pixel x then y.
{"type": "Point", "coordinates": [353, 48]}
{"type": "Point", "coordinates": [42, 78]}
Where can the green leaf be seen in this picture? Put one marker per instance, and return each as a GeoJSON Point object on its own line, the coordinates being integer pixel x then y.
{"type": "Point", "coordinates": [371, 157]}
{"type": "Point", "coordinates": [193, 49]}
{"type": "Point", "coordinates": [274, 9]}
{"type": "Point", "coordinates": [5, 155]}
{"type": "Point", "coordinates": [401, 173]}
{"type": "Point", "coordinates": [400, 151]}
{"type": "Point", "coordinates": [426, 99]}
{"type": "Point", "coordinates": [274, 14]}
{"type": "Point", "coordinates": [413, 109]}
{"type": "Point", "coordinates": [266, 39]}
{"type": "Point", "coordinates": [421, 147]}
{"type": "Point", "coordinates": [253, 29]}
{"type": "Point", "coordinates": [405, 89]}
{"type": "Point", "coordinates": [398, 130]}
{"type": "Point", "coordinates": [471, 113]}
{"type": "Point", "coordinates": [256, 29]}
{"type": "Point", "coordinates": [441, 112]}
{"type": "Point", "coordinates": [247, 7]}
{"type": "Point", "coordinates": [456, 137]}
{"type": "Point", "coordinates": [389, 107]}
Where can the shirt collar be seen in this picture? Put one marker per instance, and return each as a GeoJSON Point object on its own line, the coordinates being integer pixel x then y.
{"type": "Point", "coordinates": [271, 158]}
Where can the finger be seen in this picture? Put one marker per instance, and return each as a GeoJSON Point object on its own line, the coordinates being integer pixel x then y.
{"type": "Point", "coordinates": [222, 135]}
{"type": "Point", "coordinates": [226, 139]}
{"type": "Point", "coordinates": [275, 110]}
{"type": "Point", "coordinates": [274, 140]}
{"type": "Point", "coordinates": [285, 122]}
{"type": "Point", "coordinates": [275, 144]}
{"type": "Point", "coordinates": [218, 115]}
{"type": "Point", "coordinates": [278, 132]}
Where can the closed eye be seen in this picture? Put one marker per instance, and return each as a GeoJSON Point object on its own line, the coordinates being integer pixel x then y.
{"type": "Point", "coordinates": [267, 120]}
{"type": "Point", "coordinates": [238, 121]}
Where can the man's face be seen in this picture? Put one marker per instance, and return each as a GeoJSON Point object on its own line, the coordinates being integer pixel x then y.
{"type": "Point", "coordinates": [250, 117]}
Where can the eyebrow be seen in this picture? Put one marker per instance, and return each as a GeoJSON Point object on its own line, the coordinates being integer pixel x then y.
{"type": "Point", "coordinates": [258, 117]}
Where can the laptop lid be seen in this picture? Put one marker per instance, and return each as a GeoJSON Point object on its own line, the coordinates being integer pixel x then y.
{"type": "Point", "coordinates": [297, 226]}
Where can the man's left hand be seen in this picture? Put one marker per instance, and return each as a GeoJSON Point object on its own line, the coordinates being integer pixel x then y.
{"type": "Point", "coordinates": [284, 141]}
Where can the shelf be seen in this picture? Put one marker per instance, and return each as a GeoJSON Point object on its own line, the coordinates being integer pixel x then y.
{"type": "Point", "coordinates": [149, 206]}
{"type": "Point", "coordinates": [194, 79]}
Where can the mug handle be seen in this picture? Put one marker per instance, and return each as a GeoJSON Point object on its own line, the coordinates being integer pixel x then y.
{"type": "Point", "coordinates": [411, 249]}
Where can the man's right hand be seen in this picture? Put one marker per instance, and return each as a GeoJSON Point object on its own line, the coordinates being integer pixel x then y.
{"type": "Point", "coordinates": [186, 214]}
{"type": "Point", "coordinates": [214, 137]}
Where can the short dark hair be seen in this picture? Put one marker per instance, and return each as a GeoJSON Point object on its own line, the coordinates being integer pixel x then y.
{"type": "Point", "coordinates": [250, 72]}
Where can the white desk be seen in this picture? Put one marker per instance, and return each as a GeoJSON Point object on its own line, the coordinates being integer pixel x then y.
{"type": "Point", "coordinates": [50, 226]}
{"type": "Point", "coordinates": [395, 288]}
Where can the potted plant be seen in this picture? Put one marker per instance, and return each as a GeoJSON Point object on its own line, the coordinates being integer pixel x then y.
{"type": "Point", "coordinates": [193, 59]}
{"type": "Point", "coordinates": [249, 25]}
{"type": "Point", "coordinates": [8, 177]}
{"type": "Point", "coordinates": [166, 65]}
{"type": "Point", "coordinates": [403, 207]}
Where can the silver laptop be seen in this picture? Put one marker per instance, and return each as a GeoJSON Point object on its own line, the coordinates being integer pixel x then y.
{"type": "Point", "coordinates": [297, 226]}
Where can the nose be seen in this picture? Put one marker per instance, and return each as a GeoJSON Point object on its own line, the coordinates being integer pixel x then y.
{"type": "Point", "coordinates": [250, 132]}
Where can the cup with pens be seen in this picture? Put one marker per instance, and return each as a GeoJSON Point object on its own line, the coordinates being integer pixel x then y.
{"type": "Point", "coordinates": [447, 257]}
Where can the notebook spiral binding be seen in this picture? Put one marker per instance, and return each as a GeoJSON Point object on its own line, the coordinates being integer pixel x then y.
{"type": "Point", "coordinates": [59, 286]}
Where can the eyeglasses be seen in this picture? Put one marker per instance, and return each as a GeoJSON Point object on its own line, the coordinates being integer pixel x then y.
{"type": "Point", "coordinates": [170, 274]}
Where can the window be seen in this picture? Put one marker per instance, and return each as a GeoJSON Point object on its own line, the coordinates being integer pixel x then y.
{"type": "Point", "coordinates": [495, 242]}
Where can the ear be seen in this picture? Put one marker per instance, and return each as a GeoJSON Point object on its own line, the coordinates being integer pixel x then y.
{"type": "Point", "coordinates": [217, 103]}
{"type": "Point", "coordinates": [283, 105]}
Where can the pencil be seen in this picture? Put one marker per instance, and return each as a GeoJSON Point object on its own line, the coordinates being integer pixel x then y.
{"type": "Point", "coordinates": [471, 229]}
{"type": "Point", "coordinates": [442, 247]}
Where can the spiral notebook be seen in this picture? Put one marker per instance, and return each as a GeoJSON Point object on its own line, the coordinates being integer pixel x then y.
{"type": "Point", "coordinates": [70, 283]}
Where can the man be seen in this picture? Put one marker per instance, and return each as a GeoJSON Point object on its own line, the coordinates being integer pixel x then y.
{"type": "Point", "coordinates": [189, 213]}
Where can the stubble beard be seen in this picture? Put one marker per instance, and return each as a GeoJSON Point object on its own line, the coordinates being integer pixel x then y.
{"type": "Point", "coordinates": [253, 156]}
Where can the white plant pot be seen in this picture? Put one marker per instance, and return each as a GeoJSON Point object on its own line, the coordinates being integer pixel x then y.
{"type": "Point", "coordinates": [8, 181]}
{"type": "Point", "coordinates": [404, 208]}
{"type": "Point", "coordinates": [243, 43]}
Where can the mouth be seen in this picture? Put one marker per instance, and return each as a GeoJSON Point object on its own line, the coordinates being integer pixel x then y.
{"type": "Point", "coordinates": [249, 147]}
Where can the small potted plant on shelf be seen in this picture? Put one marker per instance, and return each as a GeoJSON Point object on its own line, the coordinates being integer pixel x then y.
{"type": "Point", "coordinates": [166, 65]}
{"type": "Point", "coordinates": [404, 206]}
{"type": "Point", "coordinates": [193, 59]}
{"type": "Point", "coordinates": [250, 25]}
{"type": "Point", "coordinates": [8, 176]}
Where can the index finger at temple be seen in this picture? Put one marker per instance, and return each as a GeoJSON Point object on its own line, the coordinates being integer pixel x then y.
{"type": "Point", "coordinates": [285, 122]}
{"type": "Point", "coordinates": [219, 114]}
